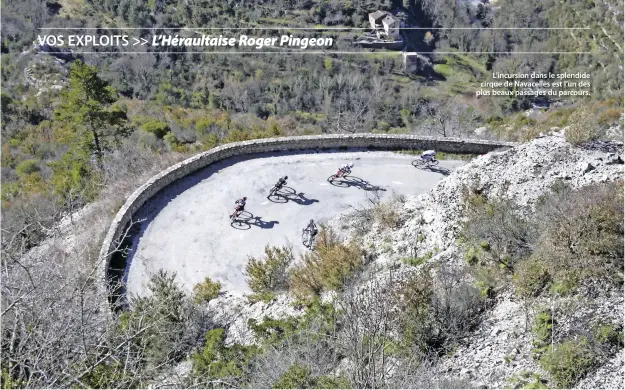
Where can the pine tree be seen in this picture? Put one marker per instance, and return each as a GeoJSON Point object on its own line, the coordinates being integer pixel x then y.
{"type": "Point", "coordinates": [89, 125]}
{"type": "Point", "coordinates": [85, 115]}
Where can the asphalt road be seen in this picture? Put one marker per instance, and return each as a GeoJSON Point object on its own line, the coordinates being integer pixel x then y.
{"type": "Point", "coordinates": [186, 227]}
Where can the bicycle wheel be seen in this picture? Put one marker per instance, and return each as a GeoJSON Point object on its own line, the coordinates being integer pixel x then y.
{"type": "Point", "coordinates": [240, 225]}
{"type": "Point", "coordinates": [419, 163]}
{"type": "Point", "coordinates": [305, 237]}
{"type": "Point", "coordinates": [433, 162]}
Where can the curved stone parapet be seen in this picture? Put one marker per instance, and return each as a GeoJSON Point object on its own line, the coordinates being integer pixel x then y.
{"type": "Point", "coordinates": [374, 141]}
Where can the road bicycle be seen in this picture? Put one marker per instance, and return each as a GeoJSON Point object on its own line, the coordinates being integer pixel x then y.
{"type": "Point", "coordinates": [338, 174]}
{"type": "Point", "coordinates": [274, 190]}
{"type": "Point", "coordinates": [308, 239]}
{"type": "Point", "coordinates": [425, 163]}
{"type": "Point", "coordinates": [235, 214]}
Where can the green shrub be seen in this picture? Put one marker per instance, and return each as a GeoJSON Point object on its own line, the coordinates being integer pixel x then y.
{"type": "Point", "coordinates": [568, 362]}
{"type": "Point", "coordinates": [573, 235]}
{"type": "Point", "coordinates": [320, 316]}
{"type": "Point", "coordinates": [108, 375]}
{"type": "Point", "coordinates": [265, 297]}
{"type": "Point", "coordinates": [332, 382]}
{"type": "Point", "coordinates": [415, 294]}
{"type": "Point", "coordinates": [444, 70]}
{"type": "Point", "coordinates": [296, 377]}
{"type": "Point", "coordinates": [218, 361]}
{"type": "Point", "coordinates": [299, 376]}
{"type": "Point", "coordinates": [542, 329]}
{"type": "Point", "coordinates": [158, 319]}
{"type": "Point", "coordinates": [384, 126]}
{"type": "Point", "coordinates": [609, 334]}
{"type": "Point", "coordinates": [171, 139]}
{"type": "Point", "coordinates": [269, 274]}
{"type": "Point", "coordinates": [272, 330]}
{"type": "Point", "coordinates": [74, 173]}
{"type": "Point", "coordinates": [487, 279]}
{"type": "Point", "coordinates": [202, 126]}
{"type": "Point", "coordinates": [530, 277]}
{"type": "Point", "coordinates": [27, 167]}
{"type": "Point", "coordinates": [205, 291]}
{"type": "Point", "coordinates": [327, 64]}
{"type": "Point", "coordinates": [527, 380]}
{"type": "Point", "coordinates": [198, 99]}
{"type": "Point", "coordinates": [7, 381]}
{"type": "Point", "coordinates": [471, 255]}
{"type": "Point", "coordinates": [308, 117]}
{"type": "Point", "coordinates": [209, 141]}
{"type": "Point", "coordinates": [158, 128]}
{"type": "Point", "coordinates": [238, 136]}
{"type": "Point", "coordinates": [564, 286]}
{"type": "Point", "coordinates": [416, 261]}
{"type": "Point", "coordinates": [486, 289]}
{"type": "Point", "coordinates": [327, 268]}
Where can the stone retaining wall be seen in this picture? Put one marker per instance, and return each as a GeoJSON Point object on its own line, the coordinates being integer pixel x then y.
{"type": "Point", "coordinates": [184, 168]}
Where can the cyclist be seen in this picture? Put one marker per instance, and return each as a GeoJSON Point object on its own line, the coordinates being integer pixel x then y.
{"type": "Point", "coordinates": [281, 182]}
{"type": "Point", "coordinates": [346, 169]}
{"type": "Point", "coordinates": [312, 228]}
{"type": "Point", "coordinates": [240, 205]}
{"type": "Point", "coordinates": [312, 232]}
{"type": "Point", "coordinates": [428, 156]}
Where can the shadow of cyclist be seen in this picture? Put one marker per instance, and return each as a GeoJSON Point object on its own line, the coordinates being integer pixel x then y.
{"type": "Point", "coordinates": [441, 170]}
{"type": "Point", "coordinates": [302, 200]}
{"type": "Point", "coordinates": [257, 221]}
{"type": "Point", "coordinates": [353, 181]}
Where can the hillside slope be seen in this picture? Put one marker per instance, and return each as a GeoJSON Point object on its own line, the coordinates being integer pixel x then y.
{"type": "Point", "coordinates": [500, 351]}
{"type": "Point", "coordinates": [504, 348]}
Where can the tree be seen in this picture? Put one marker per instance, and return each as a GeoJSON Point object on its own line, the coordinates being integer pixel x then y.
{"type": "Point", "coordinates": [87, 119]}
{"type": "Point", "coordinates": [441, 115]}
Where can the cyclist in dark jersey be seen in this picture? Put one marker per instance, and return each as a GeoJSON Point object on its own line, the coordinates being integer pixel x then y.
{"type": "Point", "coordinates": [281, 182]}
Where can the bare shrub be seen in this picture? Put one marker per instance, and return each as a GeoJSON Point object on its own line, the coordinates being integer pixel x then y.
{"type": "Point", "coordinates": [369, 320]}
{"type": "Point", "coordinates": [495, 231]}
{"type": "Point", "coordinates": [583, 126]}
{"type": "Point", "coordinates": [439, 310]}
{"type": "Point", "coordinates": [386, 214]}
{"type": "Point", "coordinates": [581, 232]}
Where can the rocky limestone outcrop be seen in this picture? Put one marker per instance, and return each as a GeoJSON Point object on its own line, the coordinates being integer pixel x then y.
{"type": "Point", "coordinates": [501, 347]}
{"type": "Point", "coordinates": [521, 174]}
{"type": "Point", "coordinates": [235, 310]}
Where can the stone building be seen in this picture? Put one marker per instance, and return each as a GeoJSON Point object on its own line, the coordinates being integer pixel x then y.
{"type": "Point", "coordinates": [384, 24]}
